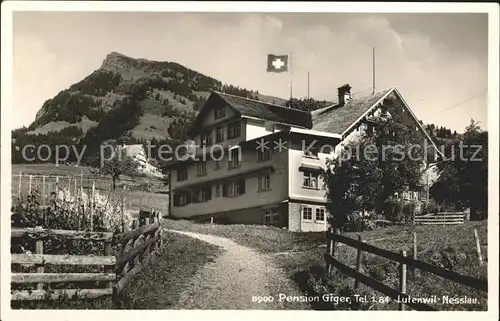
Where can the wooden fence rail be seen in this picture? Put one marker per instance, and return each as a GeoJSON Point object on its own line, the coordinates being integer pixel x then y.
{"type": "Point", "coordinates": [135, 248]}
{"type": "Point", "coordinates": [445, 218]}
{"type": "Point", "coordinates": [44, 280]}
{"type": "Point", "coordinates": [402, 259]}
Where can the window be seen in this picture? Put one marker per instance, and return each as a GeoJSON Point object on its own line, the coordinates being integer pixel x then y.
{"type": "Point", "coordinates": [182, 174]}
{"type": "Point", "coordinates": [320, 214]}
{"type": "Point", "coordinates": [354, 151]}
{"type": "Point", "coordinates": [233, 188]}
{"type": "Point", "coordinates": [201, 168]}
{"type": "Point", "coordinates": [234, 159]}
{"type": "Point", "coordinates": [271, 216]}
{"type": "Point", "coordinates": [217, 156]}
{"type": "Point", "coordinates": [311, 152]}
{"type": "Point", "coordinates": [310, 180]}
{"type": "Point", "coordinates": [369, 129]}
{"type": "Point", "coordinates": [218, 191]}
{"type": "Point", "coordinates": [202, 195]}
{"type": "Point", "coordinates": [263, 155]}
{"type": "Point", "coordinates": [219, 112]}
{"type": "Point", "coordinates": [264, 182]}
{"type": "Point", "coordinates": [234, 130]}
{"type": "Point", "coordinates": [307, 213]}
{"type": "Point", "coordinates": [182, 198]}
{"type": "Point", "coordinates": [206, 139]}
{"type": "Point", "coordinates": [219, 134]}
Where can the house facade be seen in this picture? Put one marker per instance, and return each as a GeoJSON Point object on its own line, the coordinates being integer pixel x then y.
{"type": "Point", "coordinates": [259, 163]}
{"type": "Point", "coordinates": [138, 154]}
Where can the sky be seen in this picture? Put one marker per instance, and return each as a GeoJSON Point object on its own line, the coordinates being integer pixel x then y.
{"type": "Point", "coordinates": [437, 61]}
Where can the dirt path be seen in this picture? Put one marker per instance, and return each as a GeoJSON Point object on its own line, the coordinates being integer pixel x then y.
{"type": "Point", "coordinates": [234, 278]}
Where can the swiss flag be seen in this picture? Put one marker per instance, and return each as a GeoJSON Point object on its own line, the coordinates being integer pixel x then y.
{"type": "Point", "coordinates": [277, 63]}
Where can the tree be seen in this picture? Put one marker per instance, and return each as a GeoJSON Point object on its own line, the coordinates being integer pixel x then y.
{"type": "Point", "coordinates": [114, 162]}
{"type": "Point", "coordinates": [307, 104]}
{"type": "Point", "coordinates": [464, 173]}
{"type": "Point", "coordinates": [371, 173]}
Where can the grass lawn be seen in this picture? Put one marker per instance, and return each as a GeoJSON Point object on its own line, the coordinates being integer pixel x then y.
{"type": "Point", "coordinates": [159, 284]}
{"type": "Point", "coordinates": [136, 200]}
{"type": "Point", "coordinates": [300, 255]}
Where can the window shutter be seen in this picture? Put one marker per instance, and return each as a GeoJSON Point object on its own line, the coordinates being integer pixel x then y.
{"type": "Point", "coordinates": [224, 189]}
{"type": "Point", "coordinates": [242, 186]}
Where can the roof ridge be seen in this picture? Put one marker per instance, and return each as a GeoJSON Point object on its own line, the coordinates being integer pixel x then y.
{"type": "Point", "coordinates": [259, 101]}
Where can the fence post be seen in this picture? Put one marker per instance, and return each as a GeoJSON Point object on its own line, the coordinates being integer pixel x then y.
{"type": "Point", "coordinates": [108, 269]}
{"type": "Point", "coordinates": [29, 189]}
{"type": "Point", "coordinates": [330, 247]}
{"type": "Point", "coordinates": [122, 213]}
{"type": "Point", "coordinates": [39, 269]}
{"type": "Point", "coordinates": [336, 231]}
{"type": "Point", "coordinates": [359, 257]}
{"type": "Point", "coordinates": [478, 247]}
{"type": "Point", "coordinates": [158, 219]}
{"type": "Point", "coordinates": [43, 190]}
{"type": "Point", "coordinates": [415, 254]}
{"type": "Point", "coordinates": [92, 202]}
{"type": "Point", "coordinates": [19, 187]}
{"type": "Point", "coordinates": [145, 254]}
{"type": "Point", "coordinates": [137, 224]}
{"type": "Point", "coordinates": [402, 280]}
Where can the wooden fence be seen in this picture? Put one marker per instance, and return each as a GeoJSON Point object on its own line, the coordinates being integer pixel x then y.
{"type": "Point", "coordinates": [445, 218]}
{"type": "Point", "coordinates": [26, 184]}
{"type": "Point", "coordinates": [43, 280]}
{"type": "Point", "coordinates": [137, 247]}
{"type": "Point", "coordinates": [404, 262]}
{"type": "Point", "coordinates": [133, 249]}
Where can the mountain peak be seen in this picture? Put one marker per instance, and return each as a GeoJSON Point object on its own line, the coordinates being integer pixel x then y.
{"type": "Point", "coordinates": [115, 61]}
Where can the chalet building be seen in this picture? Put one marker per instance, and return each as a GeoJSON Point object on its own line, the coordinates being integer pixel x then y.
{"type": "Point", "coordinates": [252, 164]}
{"type": "Point", "coordinates": [138, 154]}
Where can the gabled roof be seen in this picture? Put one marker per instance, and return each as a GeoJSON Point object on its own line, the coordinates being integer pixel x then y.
{"type": "Point", "coordinates": [340, 119]}
{"type": "Point", "coordinates": [337, 119]}
{"type": "Point", "coordinates": [332, 119]}
{"type": "Point", "coordinates": [259, 109]}
{"type": "Point", "coordinates": [252, 108]}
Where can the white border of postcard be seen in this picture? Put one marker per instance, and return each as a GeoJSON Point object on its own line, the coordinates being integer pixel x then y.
{"type": "Point", "coordinates": [8, 7]}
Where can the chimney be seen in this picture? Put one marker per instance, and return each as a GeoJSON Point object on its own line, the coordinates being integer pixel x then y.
{"type": "Point", "coordinates": [344, 93]}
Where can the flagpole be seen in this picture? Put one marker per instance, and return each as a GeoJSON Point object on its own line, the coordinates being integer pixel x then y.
{"type": "Point", "coordinates": [308, 85]}
{"type": "Point", "coordinates": [373, 71]}
{"type": "Point", "coordinates": [290, 73]}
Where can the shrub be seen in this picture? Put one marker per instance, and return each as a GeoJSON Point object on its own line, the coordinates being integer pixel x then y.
{"type": "Point", "coordinates": [393, 210]}
{"type": "Point", "coordinates": [359, 224]}
{"type": "Point", "coordinates": [430, 207]}
{"type": "Point", "coordinates": [409, 209]}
